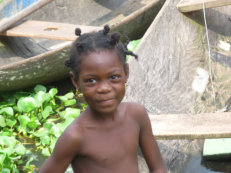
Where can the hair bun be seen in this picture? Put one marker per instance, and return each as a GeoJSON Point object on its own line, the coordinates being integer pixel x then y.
{"type": "Point", "coordinates": [106, 29]}
{"type": "Point", "coordinates": [115, 38]}
{"type": "Point", "coordinates": [67, 63]}
{"type": "Point", "coordinates": [78, 31]}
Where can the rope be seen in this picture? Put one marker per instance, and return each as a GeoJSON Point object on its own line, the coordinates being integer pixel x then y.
{"type": "Point", "coordinates": [207, 37]}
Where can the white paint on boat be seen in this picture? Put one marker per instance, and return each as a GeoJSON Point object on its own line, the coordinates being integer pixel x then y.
{"type": "Point", "coordinates": [13, 77]}
{"type": "Point", "coordinates": [200, 80]}
{"type": "Point", "coordinates": [224, 45]}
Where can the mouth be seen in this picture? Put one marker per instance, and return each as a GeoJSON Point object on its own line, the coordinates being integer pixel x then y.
{"type": "Point", "coordinates": [106, 101]}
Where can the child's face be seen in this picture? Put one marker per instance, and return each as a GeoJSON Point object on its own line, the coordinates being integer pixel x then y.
{"type": "Point", "coordinates": [102, 79]}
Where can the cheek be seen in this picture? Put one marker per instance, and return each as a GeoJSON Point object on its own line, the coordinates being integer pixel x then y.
{"type": "Point", "coordinates": [121, 91]}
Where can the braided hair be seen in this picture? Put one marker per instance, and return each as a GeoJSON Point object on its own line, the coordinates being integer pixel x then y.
{"type": "Point", "coordinates": [93, 41]}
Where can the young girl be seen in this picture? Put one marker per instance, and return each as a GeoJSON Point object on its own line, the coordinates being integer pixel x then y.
{"type": "Point", "coordinates": [106, 136]}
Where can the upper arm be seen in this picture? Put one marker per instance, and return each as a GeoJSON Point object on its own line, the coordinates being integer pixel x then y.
{"type": "Point", "coordinates": [148, 143]}
{"type": "Point", "coordinates": [65, 150]}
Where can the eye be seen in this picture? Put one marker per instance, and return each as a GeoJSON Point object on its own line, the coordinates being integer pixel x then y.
{"type": "Point", "coordinates": [115, 77]}
{"type": "Point", "coordinates": [91, 80]}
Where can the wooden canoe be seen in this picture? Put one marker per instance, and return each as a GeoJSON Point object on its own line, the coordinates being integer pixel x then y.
{"type": "Point", "coordinates": [28, 61]}
{"type": "Point", "coordinates": [172, 73]}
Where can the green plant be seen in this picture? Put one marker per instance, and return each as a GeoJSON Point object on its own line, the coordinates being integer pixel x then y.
{"type": "Point", "coordinates": [35, 117]}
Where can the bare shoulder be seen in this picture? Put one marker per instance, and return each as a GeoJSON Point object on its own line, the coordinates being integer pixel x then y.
{"type": "Point", "coordinates": [136, 110]}
{"type": "Point", "coordinates": [73, 132]}
{"type": "Point", "coordinates": [72, 137]}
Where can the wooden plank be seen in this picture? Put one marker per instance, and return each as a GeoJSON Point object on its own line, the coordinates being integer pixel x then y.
{"type": "Point", "coordinates": [5, 24]}
{"type": "Point", "coordinates": [48, 30]}
{"type": "Point", "coordinates": [193, 5]}
{"type": "Point", "coordinates": [186, 126]}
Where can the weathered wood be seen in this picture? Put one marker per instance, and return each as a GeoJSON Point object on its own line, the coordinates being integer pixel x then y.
{"type": "Point", "coordinates": [125, 16]}
{"type": "Point", "coordinates": [193, 5]}
{"type": "Point", "coordinates": [170, 52]}
{"type": "Point", "coordinates": [5, 24]}
{"type": "Point", "coordinates": [186, 126]}
{"type": "Point", "coordinates": [48, 30]}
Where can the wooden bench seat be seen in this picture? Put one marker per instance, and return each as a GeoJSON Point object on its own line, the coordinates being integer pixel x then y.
{"type": "Point", "coordinates": [48, 30]}
{"type": "Point", "coordinates": [186, 126]}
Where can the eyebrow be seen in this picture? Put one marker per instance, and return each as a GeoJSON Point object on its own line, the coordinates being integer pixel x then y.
{"type": "Point", "coordinates": [94, 75]}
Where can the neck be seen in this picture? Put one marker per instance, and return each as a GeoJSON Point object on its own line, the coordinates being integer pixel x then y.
{"type": "Point", "coordinates": [102, 116]}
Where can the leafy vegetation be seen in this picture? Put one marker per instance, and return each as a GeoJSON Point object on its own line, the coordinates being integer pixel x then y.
{"type": "Point", "coordinates": [36, 118]}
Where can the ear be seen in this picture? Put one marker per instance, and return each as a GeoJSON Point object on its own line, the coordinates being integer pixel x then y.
{"type": "Point", "coordinates": [126, 71]}
{"type": "Point", "coordinates": [74, 80]}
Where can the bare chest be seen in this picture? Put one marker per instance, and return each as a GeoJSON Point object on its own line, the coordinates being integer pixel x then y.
{"type": "Point", "coordinates": [112, 144]}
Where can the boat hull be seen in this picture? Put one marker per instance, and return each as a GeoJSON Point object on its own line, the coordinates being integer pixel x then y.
{"type": "Point", "coordinates": [172, 73]}
{"type": "Point", "coordinates": [48, 66]}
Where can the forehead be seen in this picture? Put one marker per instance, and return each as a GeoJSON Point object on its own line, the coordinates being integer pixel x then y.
{"type": "Point", "coordinates": [100, 59]}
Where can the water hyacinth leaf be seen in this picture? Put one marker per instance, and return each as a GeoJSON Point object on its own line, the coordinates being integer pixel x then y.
{"type": "Point", "coordinates": [33, 124]}
{"type": "Point", "coordinates": [2, 158]}
{"type": "Point", "coordinates": [5, 170]}
{"type": "Point", "coordinates": [23, 120]}
{"type": "Point", "coordinates": [69, 102]}
{"type": "Point", "coordinates": [55, 130]}
{"type": "Point", "coordinates": [29, 161]}
{"type": "Point", "coordinates": [38, 88]}
{"type": "Point", "coordinates": [26, 104]}
{"type": "Point", "coordinates": [10, 122]}
{"type": "Point", "coordinates": [68, 121]}
{"type": "Point", "coordinates": [45, 140]}
{"type": "Point", "coordinates": [20, 149]}
{"type": "Point", "coordinates": [7, 141]}
{"type": "Point", "coordinates": [2, 121]}
{"type": "Point", "coordinates": [41, 132]}
{"type": "Point", "coordinates": [48, 125]}
{"type": "Point", "coordinates": [41, 97]}
{"type": "Point", "coordinates": [53, 92]}
{"type": "Point", "coordinates": [63, 126]}
{"type": "Point", "coordinates": [16, 158]}
{"type": "Point", "coordinates": [47, 111]}
{"type": "Point", "coordinates": [53, 142]}
{"type": "Point", "coordinates": [71, 112]}
{"type": "Point", "coordinates": [7, 111]}
{"type": "Point", "coordinates": [16, 109]}
{"type": "Point", "coordinates": [46, 152]}
{"type": "Point", "coordinates": [9, 151]}
{"type": "Point", "coordinates": [66, 96]}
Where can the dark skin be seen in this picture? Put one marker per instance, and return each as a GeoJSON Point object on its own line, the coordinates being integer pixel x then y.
{"type": "Point", "coordinates": [106, 136]}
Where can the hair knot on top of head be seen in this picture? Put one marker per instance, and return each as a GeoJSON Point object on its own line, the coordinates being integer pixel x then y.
{"type": "Point", "coordinates": [115, 38]}
{"type": "Point", "coordinates": [68, 63]}
{"type": "Point", "coordinates": [78, 32]}
{"type": "Point", "coordinates": [106, 30]}
{"type": "Point", "coordinates": [96, 41]}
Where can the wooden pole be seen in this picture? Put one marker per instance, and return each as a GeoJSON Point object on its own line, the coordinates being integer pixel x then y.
{"type": "Point", "coordinates": [5, 24]}
{"type": "Point", "coordinates": [193, 5]}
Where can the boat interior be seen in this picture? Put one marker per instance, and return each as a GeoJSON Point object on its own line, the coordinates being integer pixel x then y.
{"type": "Point", "coordinates": [81, 12]}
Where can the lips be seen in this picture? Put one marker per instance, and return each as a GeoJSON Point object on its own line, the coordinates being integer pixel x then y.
{"type": "Point", "coordinates": [106, 102]}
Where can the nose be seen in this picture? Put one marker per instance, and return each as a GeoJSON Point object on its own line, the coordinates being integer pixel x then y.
{"type": "Point", "coordinates": [104, 87]}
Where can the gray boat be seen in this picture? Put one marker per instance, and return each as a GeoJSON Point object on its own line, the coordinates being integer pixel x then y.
{"type": "Point", "coordinates": [25, 62]}
{"type": "Point", "coordinates": [172, 75]}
